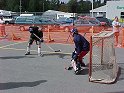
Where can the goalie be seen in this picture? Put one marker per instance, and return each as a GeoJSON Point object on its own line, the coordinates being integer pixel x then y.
{"type": "Point", "coordinates": [82, 47]}
{"type": "Point", "coordinates": [36, 35]}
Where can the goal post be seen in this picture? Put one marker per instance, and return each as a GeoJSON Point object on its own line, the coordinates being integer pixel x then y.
{"type": "Point", "coordinates": [103, 67]}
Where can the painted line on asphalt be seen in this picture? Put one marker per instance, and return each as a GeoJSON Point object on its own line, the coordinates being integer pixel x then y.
{"type": "Point", "coordinates": [49, 52]}
{"type": "Point", "coordinates": [12, 44]}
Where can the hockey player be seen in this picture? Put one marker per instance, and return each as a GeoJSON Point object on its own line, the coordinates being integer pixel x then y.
{"type": "Point", "coordinates": [36, 35]}
{"type": "Point", "coordinates": [82, 47]}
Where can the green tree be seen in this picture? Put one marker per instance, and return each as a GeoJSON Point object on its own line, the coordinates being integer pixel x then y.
{"type": "Point", "coordinates": [25, 5]}
{"type": "Point", "coordinates": [87, 6]}
{"type": "Point", "coordinates": [2, 4]}
{"type": "Point", "coordinates": [37, 5]}
{"type": "Point", "coordinates": [63, 7]}
{"type": "Point", "coordinates": [72, 5]}
{"type": "Point", "coordinates": [16, 6]}
{"type": "Point", "coordinates": [46, 5]}
{"type": "Point", "coordinates": [31, 6]}
{"type": "Point", "coordinates": [11, 6]}
{"type": "Point", "coordinates": [78, 6]}
{"type": "Point", "coordinates": [54, 5]}
{"type": "Point", "coordinates": [43, 5]}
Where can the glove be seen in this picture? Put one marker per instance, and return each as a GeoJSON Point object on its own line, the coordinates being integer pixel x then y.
{"type": "Point", "coordinates": [73, 54]}
{"type": "Point", "coordinates": [41, 40]}
{"type": "Point", "coordinates": [75, 57]}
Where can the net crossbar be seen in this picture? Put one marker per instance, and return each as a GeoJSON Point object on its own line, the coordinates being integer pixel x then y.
{"type": "Point", "coordinates": [103, 67]}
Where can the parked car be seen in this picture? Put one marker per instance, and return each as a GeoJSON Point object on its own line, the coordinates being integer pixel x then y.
{"type": "Point", "coordinates": [36, 20]}
{"type": "Point", "coordinates": [104, 21]}
{"type": "Point", "coordinates": [84, 24]}
{"type": "Point", "coordinates": [28, 20]}
{"type": "Point", "coordinates": [64, 20]}
{"type": "Point", "coordinates": [7, 19]}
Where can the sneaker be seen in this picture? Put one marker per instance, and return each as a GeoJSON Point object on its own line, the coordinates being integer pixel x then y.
{"type": "Point", "coordinates": [83, 64]}
{"type": "Point", "coordinates": [69, 68]}
{"type": "Point", "coordinates": [77, 72]}
{"type": "Point", "coordinates": [27, 53]}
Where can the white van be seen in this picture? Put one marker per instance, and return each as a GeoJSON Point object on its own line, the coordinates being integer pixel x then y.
{"type": "Point", "coordinates": [6, 16]}
{"type": "Point", "coordinates": [8, 19]}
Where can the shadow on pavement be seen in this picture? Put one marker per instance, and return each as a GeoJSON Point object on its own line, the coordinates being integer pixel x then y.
{"type": "Point", "coordinates": [116, 92]}
{"type": "Point", "coordinates": [121, 72]}
{"type": "Point", "coordinates": [84, 72]}
{"type": "Point", "coordinates": [11, 85]}
{"type": "Point", "coordinates": [15, 57]}
{"type": "Point", "coordinates": [58, 54]}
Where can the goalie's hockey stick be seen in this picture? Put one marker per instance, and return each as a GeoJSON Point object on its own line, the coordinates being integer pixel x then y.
{"type": "Point", "coordinates": [48, 45]}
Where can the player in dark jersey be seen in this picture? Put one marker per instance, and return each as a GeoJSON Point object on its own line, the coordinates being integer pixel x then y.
{"type": "Point", "coordinates": [36, 35]}
{"type": "Point", "coordinates": [82, 47]}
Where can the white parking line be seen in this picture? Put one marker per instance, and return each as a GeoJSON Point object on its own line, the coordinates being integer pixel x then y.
{"type": "Point", "coordinates": [49, 52]}
{"type": "Point", "coordinates": [12, 44]}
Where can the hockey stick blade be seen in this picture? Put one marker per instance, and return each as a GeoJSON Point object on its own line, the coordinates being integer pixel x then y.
{"type": "Point", "coordinates": [58, 51]}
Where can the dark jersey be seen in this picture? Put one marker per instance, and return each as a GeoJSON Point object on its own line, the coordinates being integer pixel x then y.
{"type": "Point", "coordinates": [39, 34]}
{"type": "Point", "coordinates": [81, 44]}
{"type": "Point", "coordinates": [34, 30]}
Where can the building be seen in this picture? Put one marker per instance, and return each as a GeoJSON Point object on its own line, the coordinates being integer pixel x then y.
{"type": "Point", "coordinates": [110, 10]}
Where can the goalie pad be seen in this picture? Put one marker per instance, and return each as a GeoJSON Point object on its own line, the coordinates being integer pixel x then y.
{"type": "Point", "coordinates": [73, 63]}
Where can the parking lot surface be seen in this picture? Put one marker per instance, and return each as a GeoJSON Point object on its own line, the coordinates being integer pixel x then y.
{"type": "Point", "coordinates": [47, 74]}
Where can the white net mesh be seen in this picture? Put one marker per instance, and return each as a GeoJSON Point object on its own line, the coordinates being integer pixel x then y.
{"type": "Point", "coordinates": [103, 67]}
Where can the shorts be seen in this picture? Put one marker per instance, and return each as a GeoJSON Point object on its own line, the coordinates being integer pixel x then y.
{"type": "Point", "coordinates": [116, 34]}
{"type": "Point", "coordinates": [31, 40]}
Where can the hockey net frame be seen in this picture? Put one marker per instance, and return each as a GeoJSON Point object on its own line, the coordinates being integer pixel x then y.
{"type": "Point", "coordinates": [103, 67]}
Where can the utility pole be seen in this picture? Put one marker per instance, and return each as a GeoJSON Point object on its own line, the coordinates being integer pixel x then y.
{"type": "Point", "coordinates": [43, 6]}
{"type": "Point", "coordinates": [20, 6]}
{"type": "Point", "coordinates": [92, 8]}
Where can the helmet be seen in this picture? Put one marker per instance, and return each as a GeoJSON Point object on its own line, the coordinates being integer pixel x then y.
{"type": "Point", "coordinates": [33, 29]}
{"type": "Point", "coordinates": [74, 30]}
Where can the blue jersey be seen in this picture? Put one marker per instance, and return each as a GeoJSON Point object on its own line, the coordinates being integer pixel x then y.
{"type": "Point", "coordinates": [81, 44]}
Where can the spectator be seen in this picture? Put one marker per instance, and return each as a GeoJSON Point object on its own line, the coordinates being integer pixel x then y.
{"type": "Point", "coordinates": [116, 30]}
{"type": "Point", "coordinates": [1, 20]}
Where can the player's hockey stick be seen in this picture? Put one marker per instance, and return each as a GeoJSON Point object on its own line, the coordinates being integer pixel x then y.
{"type": "Point", "coordinates": [48, 45]}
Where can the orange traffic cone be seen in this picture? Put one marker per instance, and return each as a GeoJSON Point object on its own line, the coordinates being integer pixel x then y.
{"type": "Point", "coordinates": [49, 37]}
{"type": "Point", "coordinates": [14, 37]}
{"type": "Point", "coordinates": [2, 30]}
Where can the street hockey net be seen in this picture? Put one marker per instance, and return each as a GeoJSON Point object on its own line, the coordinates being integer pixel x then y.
{"type": "Point", "coordinates": [102, 67]}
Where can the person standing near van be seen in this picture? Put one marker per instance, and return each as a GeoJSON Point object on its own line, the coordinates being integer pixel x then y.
{"type": "Point", "coordinates": [116, 29]}
{"type": "Point", "coordinates": [1, 20]}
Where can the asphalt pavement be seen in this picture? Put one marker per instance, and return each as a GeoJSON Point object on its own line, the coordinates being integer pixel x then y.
{"type": "Point", "coordinates": [47, 74]}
